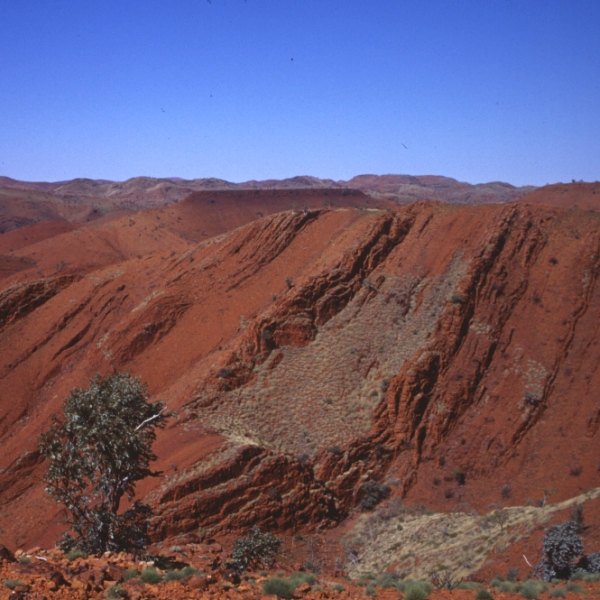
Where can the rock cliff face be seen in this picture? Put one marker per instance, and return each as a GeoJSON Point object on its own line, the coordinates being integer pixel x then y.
{"type": "Point", "coordinates": [448, 351]}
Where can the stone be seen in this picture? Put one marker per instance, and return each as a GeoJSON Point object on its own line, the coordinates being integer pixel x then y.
{"type": "Point", "coordinates": [196, 582]}
{"type": "Point", "coordinates": [6, 555]}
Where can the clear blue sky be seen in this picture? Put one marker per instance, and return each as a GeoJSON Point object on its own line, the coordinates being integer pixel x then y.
{"type": "Point", "coordinates": [479, 90]}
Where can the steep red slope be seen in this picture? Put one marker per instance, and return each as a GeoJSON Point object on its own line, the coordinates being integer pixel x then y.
{"type": "Point", "coordinates": [308, 352]}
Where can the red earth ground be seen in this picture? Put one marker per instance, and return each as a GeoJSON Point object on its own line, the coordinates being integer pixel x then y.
{"type": "Point", "coordinates": [308, 351]}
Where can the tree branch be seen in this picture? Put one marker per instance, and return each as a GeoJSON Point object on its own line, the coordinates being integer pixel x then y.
{"type": "Point", "coordinates": [151, 418]}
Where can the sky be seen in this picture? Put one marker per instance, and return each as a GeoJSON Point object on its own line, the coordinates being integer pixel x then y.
{"type": "Point", "coordinates": [478, 90]}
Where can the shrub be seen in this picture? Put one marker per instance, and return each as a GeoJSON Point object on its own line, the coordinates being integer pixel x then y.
{"type": "Point", "coordinates": [512, 574]}
{"type": "Point", "coordinates": [73, 554]}
{"type": "Point", "coordinates": [558, 593]}
{"type": "Point", "coordinates": [173, 576]}
{"type": "Point", "coordinates": [483, 594]}
{"type": "Point", "coordinates": [282, 588]}
{"type": "Point", "coordinates": [416, 591]}
{"type": "Point", "coordinates": [468, 585]}
{"type": "Point", "coordinates": [562, 547]}
{"type": "Point", "coordinates": [459, 476]}
{"type": "Point", "coordinates": [257, 548]}
{"type": "Point", "coordinates": [116, 591]}
{"type": "Point", "coordinates": [24, 560]}
{"type": "Point", "coordinates": [373, 494]}
{"type": "Point", "coordinates": [98, 450]}
{"type": "Point", "coordinates": [131, 574]}
{"type": "Point", "coordinates": [338, 587]}
{"type": "Point", "coordinates": [506, 586]}
{"type": "Point", "coordinates": [385, 581]}
{"type": "Point", "coordinates": [11, 584]}
{"type": "Point", "coordinates": [531, 589]}
{"type": "Point", "coordinates": [578, 575]}
{"type": "Point", "coordinates": [299, 578]}
{"type": "Point", "coordinates": [574, 588]}
{"type": "Point", "coordinates": [150, 575]}
{"type": "Point", "coordinates": [496, 582]}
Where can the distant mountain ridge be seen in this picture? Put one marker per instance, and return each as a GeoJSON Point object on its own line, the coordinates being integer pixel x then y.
{"type": "Point", "coordinates": [401, 188]}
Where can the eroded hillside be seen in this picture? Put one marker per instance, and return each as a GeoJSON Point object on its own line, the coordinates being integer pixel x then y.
{"type": "Point", "coordinates": [447, 351]}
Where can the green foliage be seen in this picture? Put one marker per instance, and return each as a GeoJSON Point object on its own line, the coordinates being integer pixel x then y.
{"type": "Point", "coordinates": [116, 591]}
{"type": "Point", "coordinates": [385, 581]}
{"type": "Point", "coordinates": [299, 578]}
{"type": "Point", "coordinates": [11, 584]}
{"type": "Point", "coordinates": [483, 594]}
{"type": "Point", "coordinates": [506, 586]}
{"type": "Point", "coordinates": [468, 585]}
{"type": "Point", "coordinates": [282, 588]}
{"type": "Point", "coordinates": [150, 575]}
{"type": "Point", "coordinates": [563, 546]}
{"type": "Point", "coordinates": [578, 575]}
{"type": "Point", "coordinates": [257, 548]}
{"type": "Point", "coordinates": [131, 574]}
{"type": "Point", "coordinates": [24, 560]}
{"type": "Point", "coordinates": [416, 592]}
{"type": "Point", "coordinates": [558, 593]}
{"type": "Point", "coordinates": [173, 576]}
{"type": "Point", "coordinates": [531, 589]}
{"type": "Point", "coordinates": [496, 582]}
{"type": "Point", "coordinates": [574, 588]}
{"type": "Point", "coordinates": [98, 450]}
{"type": "Point", "coordinates": [373, 494]}
{"type": "Point", "coordinates": [73, 554]}
{"type": "Point", "coordinates": [338, 587]}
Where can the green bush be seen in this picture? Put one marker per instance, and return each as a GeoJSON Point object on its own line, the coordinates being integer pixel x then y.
{"type": "Point", "coordinates": [373, 494]}
{"type": "Point", "coordinates": [299, 578]}
{"type": "Point", "coordinates": [257, 548]}
{"type": "Point", "coordinates": [574, 588]}
{"type": "Point", "coordinates": [558, 593]}
{"type": "Point", "coordinates": [338, 587]}
{"type": "Point", "coordinates": [116, 591]}
{"type": "Point", "coordinates": [468, 585]}
{"type": "Point", "coordinates": [483, 594]}
{"type": "Point", "coordinates": [496, 582]}
{"type": "Point", "coordinates": [98, 450]}
{"type": "Point", "coordinates": [73, 554]}
{"type": "Point", "coordinates": [282, 588]}
{"type": "Point", "coordinates": [592, 577]}
{"type": "Point", "coordinates": [24, 560]}
{"type": "Point", "coordinates": [385, 581]}
{"type": "Point", "coordinates": [131, 574]}
{"type": "Point", "coordinates": [563, 546]}
{"type": "Point", "coordinates": [416, 592]}
{"type": "Point", "coordinates": [578, 575]}
{"type": "Point", "coordinates": [173, 576]}
{"type": "Point", "coordinates": [150, 575]}
{"type": "Point", "coordinates": [531, 589]}
{"type": "Point", "coordinates": [11, 584]}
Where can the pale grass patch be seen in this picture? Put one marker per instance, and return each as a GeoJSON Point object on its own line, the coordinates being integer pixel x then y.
{"type": "Point", "coordinates": [416, 545]}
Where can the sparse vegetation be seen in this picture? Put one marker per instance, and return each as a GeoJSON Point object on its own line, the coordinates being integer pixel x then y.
{"type": "Point", "coordinates": [284, 588]}
{"type": "Point", "coordinates": [24, 560]}
{"type": "Point", "coordinates": [98, 450]}
{"type": "Point", "coordinates": [11, 584]}
{"type": "Point", "coordinates": [256, 549]}
{"type": "Point", "coordinates": [131, 574]}
{"type": "Point", "coordinates": [150, 575]}
{"type": "Point", "coordinates": [373, 494]}
{"type": "Point", "coordinates": [483, 594]}
{"type": "Point", "coordinates": [75, 553]}
{"type": "Point", "coordinates": [116, 591]}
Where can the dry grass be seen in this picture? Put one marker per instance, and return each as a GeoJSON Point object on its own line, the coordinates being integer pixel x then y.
{"type": "Point", "coordinates": [324, 394]}
{"type": "Point", "coordinates": [417, 544]}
